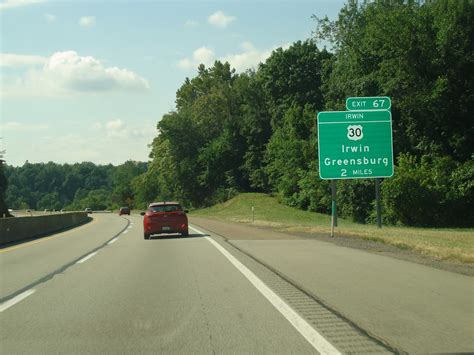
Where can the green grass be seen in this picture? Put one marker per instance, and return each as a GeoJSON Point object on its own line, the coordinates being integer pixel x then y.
{"type": "Point", "coordinates": [455, 244]}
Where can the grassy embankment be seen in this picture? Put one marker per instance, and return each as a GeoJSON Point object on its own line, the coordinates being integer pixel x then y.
{"type": "Point", "coordinates": [445, 244]}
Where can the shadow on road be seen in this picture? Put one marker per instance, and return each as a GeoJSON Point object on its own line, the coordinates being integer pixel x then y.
{"type": "Point", "coordinates": [177, 236]}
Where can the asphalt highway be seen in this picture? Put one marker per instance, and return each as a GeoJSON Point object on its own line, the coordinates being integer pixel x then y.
{"type": "Point", "coordinates": [102, 288]}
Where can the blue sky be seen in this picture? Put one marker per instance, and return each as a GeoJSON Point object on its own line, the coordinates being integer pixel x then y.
{"type": "Point", "coordinates": [89, 80]}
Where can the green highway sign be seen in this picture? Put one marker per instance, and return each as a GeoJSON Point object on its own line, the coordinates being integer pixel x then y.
{"type": "Point", "coordinates": [368, 103]}
{"type": "Point", "coordinates": [355, 144]}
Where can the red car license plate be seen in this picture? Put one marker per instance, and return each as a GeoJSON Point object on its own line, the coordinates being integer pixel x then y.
{"type": "Point", "coordinates": [165, 228]}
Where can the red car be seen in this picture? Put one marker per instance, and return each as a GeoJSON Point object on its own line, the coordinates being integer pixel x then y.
{"type": "Point", "coordinates": [164, 217]}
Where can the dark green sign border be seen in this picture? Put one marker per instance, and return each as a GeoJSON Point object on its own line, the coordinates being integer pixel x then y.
{"type": "Point", "coordinates": [370, 112]}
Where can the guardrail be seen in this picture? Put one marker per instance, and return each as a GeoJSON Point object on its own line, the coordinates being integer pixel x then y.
{"type": "Point", "coordinates": [21, 228]}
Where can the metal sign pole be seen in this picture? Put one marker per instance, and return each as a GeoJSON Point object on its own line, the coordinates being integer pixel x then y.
{"type": "Point", "coordinates": [333, 207]}
{"type": "Point", "coordinates": [333, 194]}
{"type": "Point", "coordinates": [377, 203]}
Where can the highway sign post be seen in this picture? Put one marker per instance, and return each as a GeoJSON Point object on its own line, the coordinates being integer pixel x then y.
{"type": "Point", "coordinates": [356, 144]}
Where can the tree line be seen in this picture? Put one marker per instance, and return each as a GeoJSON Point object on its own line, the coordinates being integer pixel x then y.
{"type": "Point", "coordinates": [256, 132]}
{"type": "Point", "coordinates": [72, 186]}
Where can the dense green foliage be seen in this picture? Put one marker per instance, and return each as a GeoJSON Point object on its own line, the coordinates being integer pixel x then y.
{"type": "Point", "coordinates": [255, 131]}
{"type": "Point", "coordinates": [3, 188]}
{"type": "Point", "coordinates": [422, 57]}
{"type": "Point", "coordinates": [72, 187]}
{"type": "Point", "coordinates": [241, 132]}
{"type": "Point", "coordinates": [430, 192]}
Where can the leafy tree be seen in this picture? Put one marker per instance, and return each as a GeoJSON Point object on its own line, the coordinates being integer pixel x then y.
{"type": "Point", "coordinates": [56, 186]}
{"type": "Point", "coordinates": [3, 187]}
{"type": "Point", "coordinates": [430, 192]}
{"type": "Point", "coordinates": [255, 129]}
{"type": "Point", "coordinates": [95, 199]}
{"type": "Point", "coordinates": [202, 139]}
{"type": "Point", "coordinates": [122, 177]}
{"type": "Point", "coordinates": [355, 199]}
{"type": "Point", "coordinates": [289, 152]}
{"type": "Point", "coordinates": [294, 76]}
{"type": "Point", "coordinates": [418, 54]}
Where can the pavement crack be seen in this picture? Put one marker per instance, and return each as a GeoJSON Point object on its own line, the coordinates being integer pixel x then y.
{"type": "Point", "coordinates": [204, 311]}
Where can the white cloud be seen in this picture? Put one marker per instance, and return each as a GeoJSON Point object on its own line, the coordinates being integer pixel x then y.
{"type": "Point", "coordinates": [116, 129]}
{"type": "Point", "coordinates": [87, 21]}
{"type": "Point", "coordinates": [67, 148]}
{"type": "Point", "coordinates": [248, 57]}
{"type": "Point", "coordinates": [202, 55]}
{"type": "Point", "coordinates": [67, 72]}
{"type": "Point", "coordinates": [119, 129]}
{"type": "Point", "coordinates": [19, 126]}
{"type": "Point", "coordinates": [185, 63]}
{"type": "Point", "coordinates": [19, 60]}
{"type": "Point", "coordinates": [8, 4]}
{"type": "Point", "coordinates": [83, 140]}
{"type": "Point", "coordinates": [191, 23]}
{"type": "Point", "coordinates": [50, 18]}
{"type": "Point", "coordinates": [219, 19]}
{"type": "Point", "coordinates": [247, 46]}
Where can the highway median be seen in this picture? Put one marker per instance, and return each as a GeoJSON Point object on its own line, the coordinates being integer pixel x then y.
{"type": "Point", "coordinates": [17, 229]}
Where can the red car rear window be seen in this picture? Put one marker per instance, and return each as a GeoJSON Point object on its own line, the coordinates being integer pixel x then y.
{"type": "Point", "coordinates": [166, 208]}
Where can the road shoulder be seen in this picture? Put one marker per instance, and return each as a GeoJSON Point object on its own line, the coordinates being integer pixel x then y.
{"type": "Point", "coordinates": [414, 307]}
{"type": "Point", "coordinates": [272, 233]}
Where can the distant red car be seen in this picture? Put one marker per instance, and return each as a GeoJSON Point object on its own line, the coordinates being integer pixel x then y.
{"type": "Point", "coordinates": [165, 217]}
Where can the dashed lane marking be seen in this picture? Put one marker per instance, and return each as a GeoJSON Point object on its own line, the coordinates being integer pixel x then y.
{"type": "Point", "coordinates": [5, 305]}
{"type": "Point", "coordinates": [6, 299]}
{"type": "Point", "coordinates": [84, 259]}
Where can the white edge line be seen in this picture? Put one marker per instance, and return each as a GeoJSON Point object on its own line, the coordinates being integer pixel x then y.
{"type": "Point", "coordinates": [305, 329]}
{"type": "Point", "coordinates": [125, 232]}
{"type": "Point", "coordinates": [113, 241]}
{"type": "Point", "coordinates": [86, 258]}
{"type": "Point", "coordinates": [5, 305]}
